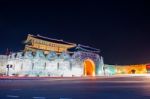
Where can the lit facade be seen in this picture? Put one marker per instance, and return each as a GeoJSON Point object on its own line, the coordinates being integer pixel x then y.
{"type": "Point", "coordinates": [50, 57]}
{"type": "Point", "coordinates": [126, 69]}
{"type": "Point", "coordinates": [34, 43]}
{"type": "Point", "coordinates": [44, 56]}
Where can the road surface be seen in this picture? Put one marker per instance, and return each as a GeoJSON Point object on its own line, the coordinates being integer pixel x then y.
{"type": "Point", "coordinates": [76, 88]}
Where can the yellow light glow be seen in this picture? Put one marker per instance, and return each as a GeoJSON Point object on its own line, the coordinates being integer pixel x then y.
{"type": "Point", "coordinates": [89, 68]}
{"type": "Point", "coordinates": [127, 69]}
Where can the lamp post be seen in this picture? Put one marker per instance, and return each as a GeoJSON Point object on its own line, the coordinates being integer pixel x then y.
{"type": "Point", "coordinates": [8, 67]}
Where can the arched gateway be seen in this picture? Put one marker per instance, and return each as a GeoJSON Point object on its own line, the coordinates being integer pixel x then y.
{"type": "Point", "coordinates": [89, 67]}
{"type": "Point", "coordinates": [92, 63]}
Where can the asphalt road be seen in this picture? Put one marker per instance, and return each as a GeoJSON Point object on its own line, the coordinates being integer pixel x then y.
{"type": "Point", "coordinates": [76, 88]}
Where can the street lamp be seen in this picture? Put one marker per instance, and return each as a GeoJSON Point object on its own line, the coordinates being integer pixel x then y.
{"type": "Point", "coordinates": [8, 67]}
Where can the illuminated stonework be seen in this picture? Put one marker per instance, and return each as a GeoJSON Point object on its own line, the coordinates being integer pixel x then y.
{"type": "Point", "coordinates": [52, 64]}
{"type": "Point", "coordinates": [48, 57]}
{"type": "Point", "coordinates": [44, 56]}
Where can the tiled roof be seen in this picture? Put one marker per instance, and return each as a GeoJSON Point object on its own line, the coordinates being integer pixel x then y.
{"type": "Point", "coordinates": [52, 40]}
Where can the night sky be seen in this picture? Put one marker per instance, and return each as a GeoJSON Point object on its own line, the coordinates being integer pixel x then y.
{"type": "Point", "coordinates": [120, 29]}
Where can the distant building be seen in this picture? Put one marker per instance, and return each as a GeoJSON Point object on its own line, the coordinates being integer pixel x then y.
{"type": "Point", "coordinates": [126, 69]}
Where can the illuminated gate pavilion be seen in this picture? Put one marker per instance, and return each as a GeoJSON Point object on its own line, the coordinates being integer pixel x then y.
{"type": "Point", "coordinates": [44, 56]}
